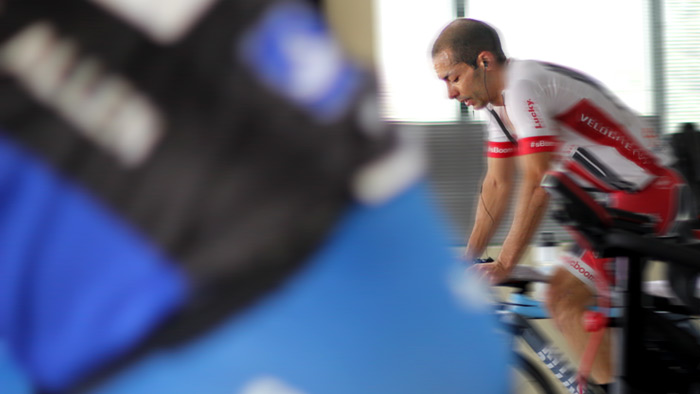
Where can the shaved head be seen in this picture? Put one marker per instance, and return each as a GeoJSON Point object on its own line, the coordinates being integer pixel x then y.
{"type": "Point", "coordinates": [466, 38]}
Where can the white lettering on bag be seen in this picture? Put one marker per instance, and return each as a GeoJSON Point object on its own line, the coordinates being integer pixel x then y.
{"type": "Point", "coordinates": [104, 107]}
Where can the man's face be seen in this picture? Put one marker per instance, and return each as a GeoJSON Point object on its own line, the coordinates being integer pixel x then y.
{"type": "Point", "coordinates": [464, 83]}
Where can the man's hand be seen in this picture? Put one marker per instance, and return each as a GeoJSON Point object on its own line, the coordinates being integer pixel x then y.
{"type": "Point", "coordinates": [495, 272]}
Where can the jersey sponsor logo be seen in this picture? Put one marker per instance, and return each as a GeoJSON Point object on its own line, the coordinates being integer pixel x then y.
{"type": "Point", "coordinates": [594, 124]}
{"type": "Point", "coordinates": [580, 268]}
{"type": "Point", "coordinates": [534, 109]}
{"type": "Point", "coordinates": [497, 150]}
{"type": "Point", "coordinates": [104, 107]}
{"type": "Point", "coordinates": [610, 134]}
{"type": "Point", "coordinates": [501, 149]}
{"type": "Point", "coordinates": [546, 143]}
{"type": "Point", "coordinates": [163, 20]}
{"type": "Point", "coordinates": [542, 144]}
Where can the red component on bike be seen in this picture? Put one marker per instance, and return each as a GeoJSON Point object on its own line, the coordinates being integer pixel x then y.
{"type": "Point", "coordinates": [594, 321]}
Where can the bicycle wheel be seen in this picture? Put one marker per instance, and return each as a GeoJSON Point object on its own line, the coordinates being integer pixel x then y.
{"type": "Point", "coordinates": [526, 378]}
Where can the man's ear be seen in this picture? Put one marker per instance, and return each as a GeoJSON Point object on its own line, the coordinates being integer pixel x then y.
{"type": "Point", "coordinates": [485, 57]}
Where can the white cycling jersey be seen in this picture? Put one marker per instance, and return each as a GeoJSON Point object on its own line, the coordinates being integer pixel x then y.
{"type": "Point", "coordinates": [549, 108]}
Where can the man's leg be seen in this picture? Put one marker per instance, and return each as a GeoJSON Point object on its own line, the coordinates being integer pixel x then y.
{"type": "Point", "coordinates": [567, 300]}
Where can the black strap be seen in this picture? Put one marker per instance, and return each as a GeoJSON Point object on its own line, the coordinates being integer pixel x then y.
{"type": "Point", "coordinates": [503, 127]}
{"type": "Point", "coordinates": [600, 170]}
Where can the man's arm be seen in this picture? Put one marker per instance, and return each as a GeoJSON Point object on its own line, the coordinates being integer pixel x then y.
{"type": "Point", "coordinates": [530, 208]}
{"type": "Point", "coordinates": [491, 204]}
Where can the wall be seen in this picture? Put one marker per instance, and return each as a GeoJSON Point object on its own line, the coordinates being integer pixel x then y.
{"type": "Point", "coordinates": [352, 22]}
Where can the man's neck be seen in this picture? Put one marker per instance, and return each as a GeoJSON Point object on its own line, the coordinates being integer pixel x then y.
{"type": "Point", "coordinates": [498, 84]}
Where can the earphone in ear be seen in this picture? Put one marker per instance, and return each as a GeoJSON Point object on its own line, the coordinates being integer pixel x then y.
{"type": "Point", "coordinates": [486, 64]}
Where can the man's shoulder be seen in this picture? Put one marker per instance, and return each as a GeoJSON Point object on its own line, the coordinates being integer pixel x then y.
{"type": "Point", "coordinates": [526, 70]}
{"type": "Point", "coordinates": [526, 77]}
{"type": "Point", "coordinates": [541, 72]}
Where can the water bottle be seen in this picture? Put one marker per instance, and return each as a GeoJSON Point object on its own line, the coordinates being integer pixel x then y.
{"type": "Point", "coordinates": [545, 260]}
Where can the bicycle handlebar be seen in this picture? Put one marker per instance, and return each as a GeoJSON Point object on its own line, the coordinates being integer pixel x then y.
{"type": "Point", "coordinates": [520, 276]}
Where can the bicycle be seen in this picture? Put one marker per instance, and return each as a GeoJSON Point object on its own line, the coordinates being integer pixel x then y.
{"type": "Point", "coordinates": [515, 313]}
{"type": "Point", "coordinates": [658, 347]}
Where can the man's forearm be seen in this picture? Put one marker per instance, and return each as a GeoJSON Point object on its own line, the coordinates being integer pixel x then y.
{"type": "Point", "coordinates": [491, 206]}
{"type": "Point", "coordinates": [531, 206]}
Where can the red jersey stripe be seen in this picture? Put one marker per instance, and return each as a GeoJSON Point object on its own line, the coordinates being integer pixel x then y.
{"type": "Point", "coordinates": [596, 125]}
{"type": "Point", "coordinates": [537, 144]}
{"type": "Point", "coordinates": [501, 149]}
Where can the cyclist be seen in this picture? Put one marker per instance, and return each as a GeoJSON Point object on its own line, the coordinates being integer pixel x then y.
{"type": "Point", "coordinates": [199, 197]}
{"type": "Point", "coordinates": [548, 117]}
